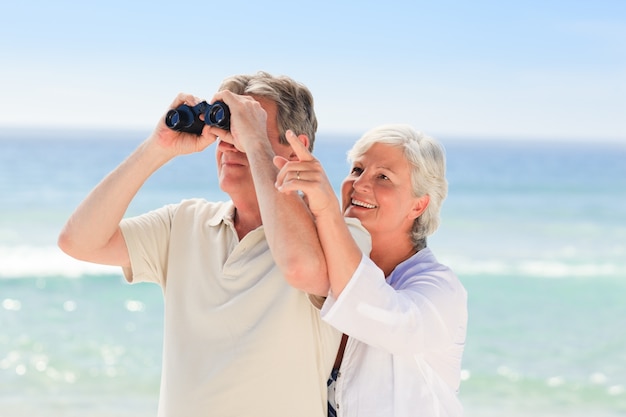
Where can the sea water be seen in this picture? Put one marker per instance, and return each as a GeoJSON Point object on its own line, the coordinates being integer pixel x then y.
{"type": "Point", "coordinates": [535, 230]}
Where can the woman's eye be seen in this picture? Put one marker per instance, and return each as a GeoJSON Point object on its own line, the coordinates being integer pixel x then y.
{"type": "Point", "coordinates": [356, 171]}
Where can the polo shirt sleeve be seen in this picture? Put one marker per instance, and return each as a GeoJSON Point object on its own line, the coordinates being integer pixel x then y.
{"type": "Point", "coordinates": [408, 321]}
{"type": "Point", "coordinates": [147, 238]}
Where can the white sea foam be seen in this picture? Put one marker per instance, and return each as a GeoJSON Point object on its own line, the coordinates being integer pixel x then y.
{"type": "Point", "coordinates": [536, 268]}
{"type": "Point", "coordinates": [49, 261]}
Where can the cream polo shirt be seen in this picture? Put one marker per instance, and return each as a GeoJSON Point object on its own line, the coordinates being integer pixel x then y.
{"type": "Point", "coordinates": [407, 335]}
{"type": "Point", "coordinates": [238, 340]}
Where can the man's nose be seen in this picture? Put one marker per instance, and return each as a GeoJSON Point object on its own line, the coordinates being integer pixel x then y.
{"type": "Point", "coordinates": [226, 147]}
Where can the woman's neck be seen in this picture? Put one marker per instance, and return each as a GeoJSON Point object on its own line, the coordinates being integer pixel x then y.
{"type": "Point", "coordinates": [389, 253]}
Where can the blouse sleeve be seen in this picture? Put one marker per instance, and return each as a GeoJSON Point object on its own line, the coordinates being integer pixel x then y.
{"type": "Point", "coordinates": [421, 315]}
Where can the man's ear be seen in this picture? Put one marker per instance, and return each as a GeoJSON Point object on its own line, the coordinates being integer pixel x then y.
{"type": "Point", "coordinates": [419, 206]}
{"type": "Point", "coordinates": [304, 139]}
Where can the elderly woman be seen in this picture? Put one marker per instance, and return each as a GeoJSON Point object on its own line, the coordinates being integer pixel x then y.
{"type": "Point", "coordinates": [403, 314]}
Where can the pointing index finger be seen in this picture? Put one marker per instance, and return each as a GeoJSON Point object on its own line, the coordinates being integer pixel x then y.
{"type": "Point", "coordinates": [301, 151]}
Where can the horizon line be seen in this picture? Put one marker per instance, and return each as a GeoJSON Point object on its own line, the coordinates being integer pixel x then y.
{"type": "Point", "coordinates": [8, 132]}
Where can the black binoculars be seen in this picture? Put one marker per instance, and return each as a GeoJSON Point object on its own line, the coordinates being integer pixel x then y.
{"type": "Point", "coordinates": [187, 118]}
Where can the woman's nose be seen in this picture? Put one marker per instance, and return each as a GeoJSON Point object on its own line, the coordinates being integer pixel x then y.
{"type": "Point", "coordinates": [361, 183]}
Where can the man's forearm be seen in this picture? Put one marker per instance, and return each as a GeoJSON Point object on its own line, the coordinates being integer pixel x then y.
{"type": "Point", "coordinates": [289, 228]}
{"type": "Point", "coordinates": [92, 231]}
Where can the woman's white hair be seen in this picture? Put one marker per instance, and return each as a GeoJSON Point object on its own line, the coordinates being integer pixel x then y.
{"type": "Point", "coordinates": [428, 170]}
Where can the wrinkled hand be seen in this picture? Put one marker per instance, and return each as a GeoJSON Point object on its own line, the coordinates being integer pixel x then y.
{"type": "Point", "coordinates": [307, 175]}
{"type": "Point", "coordinates": [180, 143]}
{"type": "Point", "coordinates": [248, 121]}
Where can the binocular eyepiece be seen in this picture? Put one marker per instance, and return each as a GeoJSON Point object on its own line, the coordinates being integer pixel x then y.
{"type": "Point", "coordinates": [187, 118]}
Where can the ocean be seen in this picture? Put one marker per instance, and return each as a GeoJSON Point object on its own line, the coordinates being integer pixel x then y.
{"type": "Point", "coordinates": [536, 230]}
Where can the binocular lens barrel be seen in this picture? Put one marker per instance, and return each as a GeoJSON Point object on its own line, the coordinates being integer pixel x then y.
{"type": "Point", "coordinates": [216, 115]}
{"type": "Point", "coordinates": [179, 118]}
{"type": "Point", "coordinates": [219, 115]}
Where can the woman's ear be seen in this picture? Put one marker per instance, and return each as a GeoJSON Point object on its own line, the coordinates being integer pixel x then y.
{"type": "Point", "coordinates": [304, 139]}
{"type": "Point", "coordinates": [420, 205]}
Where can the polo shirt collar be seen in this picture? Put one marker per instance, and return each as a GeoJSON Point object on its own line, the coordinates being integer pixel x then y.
{"type": "Point", "coordinates": [225, 214]}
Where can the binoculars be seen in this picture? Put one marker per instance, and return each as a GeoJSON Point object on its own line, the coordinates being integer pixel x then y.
{"type": "Point", "coordinates": [187, 118]}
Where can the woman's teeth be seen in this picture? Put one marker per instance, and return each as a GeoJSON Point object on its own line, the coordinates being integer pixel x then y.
{"type": "Point", "coordinates": [362, 204]}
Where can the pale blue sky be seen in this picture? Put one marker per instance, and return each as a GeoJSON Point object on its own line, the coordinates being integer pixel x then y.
{"type": "Point", "coordinates": [494, 69]}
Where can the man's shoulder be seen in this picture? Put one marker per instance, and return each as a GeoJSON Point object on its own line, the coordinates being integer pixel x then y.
{"type": "Point", "coordinates": [360, 234]}
{"type": "Point", "coordinates": [213, 211]}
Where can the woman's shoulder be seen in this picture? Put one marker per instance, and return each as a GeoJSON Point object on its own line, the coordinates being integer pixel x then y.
{"type": "Point", "coordinates": [424, 268]}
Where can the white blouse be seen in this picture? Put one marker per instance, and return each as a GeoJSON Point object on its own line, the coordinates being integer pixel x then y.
{"type": "Point", "coordinates": [407, 335]}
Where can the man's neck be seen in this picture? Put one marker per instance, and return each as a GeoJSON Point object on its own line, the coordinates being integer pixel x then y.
{"type": "Point", "coordinates": [247, 217]}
